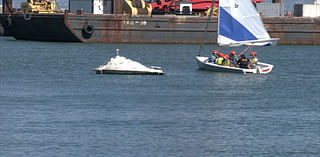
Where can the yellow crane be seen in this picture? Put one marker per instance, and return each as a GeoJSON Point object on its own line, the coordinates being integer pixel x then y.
{"type": "Point", "coordinates": [38, 6]}
{"type": "Point", "coordinates": [136, 7]}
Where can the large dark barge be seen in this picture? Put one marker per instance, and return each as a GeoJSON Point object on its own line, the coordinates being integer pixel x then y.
{"type": "Point", "coordinates": [120, 28]}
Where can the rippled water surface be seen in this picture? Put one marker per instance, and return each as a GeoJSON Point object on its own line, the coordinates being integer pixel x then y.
{"type": "Point", "coordinates": [53, 104]}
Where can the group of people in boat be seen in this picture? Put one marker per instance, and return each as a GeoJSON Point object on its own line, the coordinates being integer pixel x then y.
{"type": "Point", "coordinates": [233, 60]}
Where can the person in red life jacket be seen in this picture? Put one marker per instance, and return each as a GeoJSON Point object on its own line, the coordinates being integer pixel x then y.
{"type": "Point", "coordinates": [253, 59]}
{"type": "Point", "coordinates": [226, 60]}
{"type": "Point", "coordinates": [244, 62]}
{"type": "Point", "coordinates": [220, 59]}
{"type": "Point", "coordinates": [233, 58]}
{"type": "Point", "coordinates": [213, 56]}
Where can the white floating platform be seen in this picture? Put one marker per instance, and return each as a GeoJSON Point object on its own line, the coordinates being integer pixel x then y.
{"type": "Point", "coordinates": [122, 65]}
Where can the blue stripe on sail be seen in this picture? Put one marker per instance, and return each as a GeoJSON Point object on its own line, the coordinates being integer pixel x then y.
{"type": "Point", "coordinates": [231, 28]}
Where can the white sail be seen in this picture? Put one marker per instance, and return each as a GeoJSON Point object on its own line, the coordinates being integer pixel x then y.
{"type": "Point", "coordinates": [240, 24]}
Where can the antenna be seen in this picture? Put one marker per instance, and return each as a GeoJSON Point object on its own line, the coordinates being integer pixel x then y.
{"type": "Point", "coordinates": [117, 51]}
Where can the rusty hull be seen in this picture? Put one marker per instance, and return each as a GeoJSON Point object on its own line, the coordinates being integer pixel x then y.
{"type": "Point", "coordinates": [142, 29]}
{"type": "Point", "coordinates": [294, 30]}
{"type": "Point", "coordinates": [186, 29]}
{"type": "Point", "coordinates": [118, 28]}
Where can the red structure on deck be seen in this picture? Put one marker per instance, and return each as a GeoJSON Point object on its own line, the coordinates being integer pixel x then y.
{"type": "Point", "coordinates": [197, 5]}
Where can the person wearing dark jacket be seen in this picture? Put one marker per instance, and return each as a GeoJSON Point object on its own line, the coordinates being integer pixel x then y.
{"type": "Point", "coordinates": [244, 62]}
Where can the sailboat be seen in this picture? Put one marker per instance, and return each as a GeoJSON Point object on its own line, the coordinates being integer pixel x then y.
{"type": "Point", "coordinates": [239, 24]}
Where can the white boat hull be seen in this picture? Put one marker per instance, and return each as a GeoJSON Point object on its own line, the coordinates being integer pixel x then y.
{"type": "Point", "coordinates": [261, 68]}
{"type": "Point", "coordinates": [149, 71]}
{"type": "Point", "coordinates": [128, 72]}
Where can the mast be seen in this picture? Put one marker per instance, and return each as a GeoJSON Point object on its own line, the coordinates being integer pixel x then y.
{"type": "Point", "coordinates": [6, 6]}
{"type": "Point", "coordinates": [117, 6]}
{"type": "Point", "coordinates": [205, 31]}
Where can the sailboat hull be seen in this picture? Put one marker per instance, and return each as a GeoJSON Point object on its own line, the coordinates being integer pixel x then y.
{"type": "Point", "coordinates": [261, 68]}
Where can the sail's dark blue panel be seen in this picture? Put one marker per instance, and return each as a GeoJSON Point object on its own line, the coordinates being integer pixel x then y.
{"type": "Point", "coordinates": [231, 28]}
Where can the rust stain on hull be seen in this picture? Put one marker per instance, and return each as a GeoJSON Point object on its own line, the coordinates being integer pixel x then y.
{"type": "Point", "coordinates": [146, 29]}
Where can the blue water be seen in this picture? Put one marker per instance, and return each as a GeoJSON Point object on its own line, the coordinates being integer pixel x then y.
{"type": "Point", "coordinates": [53, 104]}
